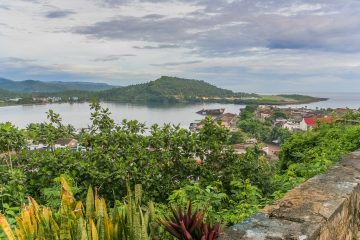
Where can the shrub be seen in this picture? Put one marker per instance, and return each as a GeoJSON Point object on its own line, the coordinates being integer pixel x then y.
{"type": "Point", "coordinates": [73, 220]}
{"type": "Point", "coordinates": [186, 225]}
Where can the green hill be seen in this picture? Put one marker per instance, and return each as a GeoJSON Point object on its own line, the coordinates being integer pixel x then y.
{"type": "Point", "coordinates": [29, 86]}
{"type": "Point", "coordinates": [5, 95]}
{"type": "Point", "coordinates": [166, 90]}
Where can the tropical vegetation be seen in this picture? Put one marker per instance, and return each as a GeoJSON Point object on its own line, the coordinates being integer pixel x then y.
{"type": "Point", "coordinates": [173, 165]}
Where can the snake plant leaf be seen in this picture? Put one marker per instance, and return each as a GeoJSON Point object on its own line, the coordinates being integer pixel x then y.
{"type": "Point", "coordinates": [6, 228]}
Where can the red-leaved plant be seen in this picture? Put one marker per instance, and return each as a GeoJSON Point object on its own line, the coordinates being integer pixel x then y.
{"type": "Point", "coordinates": [185, 225]}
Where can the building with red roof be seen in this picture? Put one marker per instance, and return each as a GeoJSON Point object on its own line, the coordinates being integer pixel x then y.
{"type": "Point", "coordinates": [309, 123]}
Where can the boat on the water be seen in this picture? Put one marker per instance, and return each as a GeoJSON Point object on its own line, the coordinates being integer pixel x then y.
{"type": "Point", "coordinates": [211, 112]}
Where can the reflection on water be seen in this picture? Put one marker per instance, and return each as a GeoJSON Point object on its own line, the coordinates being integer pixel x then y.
{"type": "Point", "coordinates": [79, 114]}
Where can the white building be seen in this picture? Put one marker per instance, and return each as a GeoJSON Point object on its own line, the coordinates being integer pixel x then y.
{"type": "Point", "coordinates": [66, 143]}
{"type": "Point", "coordinates": [291, 126]}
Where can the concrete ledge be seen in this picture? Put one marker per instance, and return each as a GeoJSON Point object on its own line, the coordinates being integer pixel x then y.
{"type": "Point", "coordinates": [324, 207]}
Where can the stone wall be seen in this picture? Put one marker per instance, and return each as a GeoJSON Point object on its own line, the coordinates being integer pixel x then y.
{"type": "Point", "coordinates": [324, 207]}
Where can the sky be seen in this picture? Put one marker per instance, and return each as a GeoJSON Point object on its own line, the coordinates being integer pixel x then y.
{"type": "Point", "coordinates": [242, 45]}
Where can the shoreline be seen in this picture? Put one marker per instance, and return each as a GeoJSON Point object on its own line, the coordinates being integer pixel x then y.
{"type": "Point", "coordinates": [36, 104]}
{"type": "Point", "coordinates": [304, 102]}
{"type": "Point", "coordinates": [241, 102]}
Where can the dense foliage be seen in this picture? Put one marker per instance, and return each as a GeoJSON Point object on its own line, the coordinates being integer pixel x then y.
{"type": "Point", "coordinates": [263, 131]}
{"type": "Point", "coordinates": [167, 90]}
{"type": "Point", "coordinates": [173, 165]}
{"type": "Point", "coordinates": [163, 159]}
{"type": "Point", "coordinates": [5, 95]}
{"type": "Point", "coordinates": [306, 155]}
{"type": "Point", "coordinates": [74, 220]}
{"type": "Point", "coordinates": [31, 86]}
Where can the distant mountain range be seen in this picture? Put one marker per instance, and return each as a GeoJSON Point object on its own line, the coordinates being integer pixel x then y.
{"type": "Point", "coordinates": [33, 86]}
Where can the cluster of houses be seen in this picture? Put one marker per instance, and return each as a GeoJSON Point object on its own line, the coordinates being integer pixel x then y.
{"type": "Point", "coordinates": [227, 120]}
{"type": "Point", "coordinates": [14, 99]}
{"type": "Point", "coordinates": [62, 143]}
{"type": "Point", "coordinates": [297, 119]}
{"type": "Point", "coordinates": [47, 99]}
{"type": "Point", "coordinates": [54, 99]}
{"type": "Point", "coordinates": [293, 119]}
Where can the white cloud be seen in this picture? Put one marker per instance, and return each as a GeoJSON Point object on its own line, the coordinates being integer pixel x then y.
{"type": "Point", "coordinates": [295, 9]}
{"type": "Point", "coordinates": [143, 39]}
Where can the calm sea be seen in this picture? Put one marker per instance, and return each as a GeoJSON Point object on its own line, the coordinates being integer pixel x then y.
{"type": "Point", "coordinates": [79, 114]}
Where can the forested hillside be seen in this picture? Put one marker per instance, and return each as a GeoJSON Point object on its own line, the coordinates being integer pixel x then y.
{"type": "Point", "coordinates": [29, 86]}
{"type": "Point", "coordinates": [4, 95]}
{"type": "Point", "coordinates": [167, 89]}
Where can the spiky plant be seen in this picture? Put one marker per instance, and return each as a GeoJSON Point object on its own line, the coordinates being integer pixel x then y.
{"type": "Point", "coordinates": [186, 225]}
{"type": "Point", "coordinates": [74, 221]}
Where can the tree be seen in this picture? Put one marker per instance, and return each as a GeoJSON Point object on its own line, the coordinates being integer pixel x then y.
{"type": "Point", "coordinates": [163, 159]}
{"type": "Point", "coordinates": [49, 133]}
{"type": "Point", "coordinates": [278, 134]}
{"type": "Point", "coordinates": [279, 113]}
{"type": "Point", "coordinates": [11, 139]}
{"type": "Point", "coordinates": [237, 137]}
{"type": "Point", "coordinates": [248, 112]}
{"type": "Point", "coordinates": [255, 129]}
{"type": "Point", "coordinates": [12, 189]}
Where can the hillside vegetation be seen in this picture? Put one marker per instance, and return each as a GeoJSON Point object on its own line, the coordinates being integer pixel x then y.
{"type": "Point", "coordinates": [29, 86]}
{"type": "Point", "coordinates": [167, 90]}
{"type": "Point", "coordinates": [172, 164]}
{"type": "Point", "coordinates": [4, 95]}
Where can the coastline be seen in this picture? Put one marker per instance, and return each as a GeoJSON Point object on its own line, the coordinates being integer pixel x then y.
{"type": "Point", "coordinates": [184, 103]}
{"type": "Point", "coordinates": [181, 113]}
{"type": "Point", "coordinates": [36, 104]}
{"type": "Point", "coordinates": [304, 102]}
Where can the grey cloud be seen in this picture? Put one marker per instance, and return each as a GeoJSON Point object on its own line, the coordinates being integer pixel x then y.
{"type": "Point", "coordinates": [153, 16]}
{"type": "Point", "coordinates": [4, 7]}
{"type": "Point", "coordinates": [176, 63]}
{"type": "Point", "coordinates": [112, 3]}
{"type": "Point", "coordinates": [15, 64]}
{"type": "Point", "coordinates": [244, 79]}
{"type": "Point", "coordinates": [289, 28]}
{"type": "Point", "coordinates": [18, 60]}
{"type": "Point", "coordinates": [59, 14]}
{"type": "Point", "coordinates": [224, 28]}
{"type": "Point", "coordinates": [137, 28]}
{"type": "Point", "coordinates": [113, 57]}
{"type": "Point", "coordinates": [4, 25]}
{"type": "Point", "coordinates": [160, 46]}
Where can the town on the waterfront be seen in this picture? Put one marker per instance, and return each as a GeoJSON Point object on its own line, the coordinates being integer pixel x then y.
{"type": "Point", "coordinates": [289, 119]}
{"type": "Point", "coordinates": [179, 120]}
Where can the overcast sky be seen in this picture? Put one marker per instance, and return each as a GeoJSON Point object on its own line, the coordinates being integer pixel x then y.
{"type": "Point", "coordinates": [244, 45]}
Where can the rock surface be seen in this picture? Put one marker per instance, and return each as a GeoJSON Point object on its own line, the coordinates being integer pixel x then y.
{"type": "Point", "coordinates": [325, 207]}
